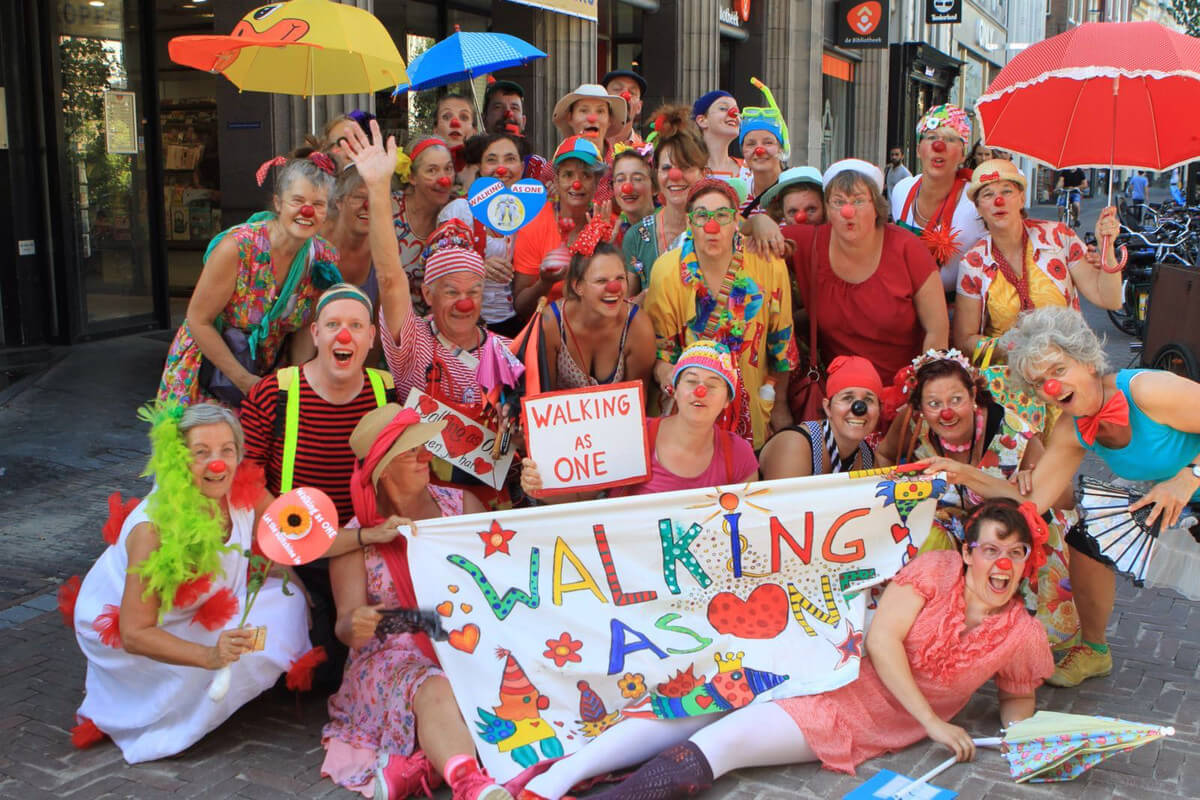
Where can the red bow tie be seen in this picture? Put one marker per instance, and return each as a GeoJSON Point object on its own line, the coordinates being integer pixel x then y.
{"type": "Point", "coordinates": [1116, 410]}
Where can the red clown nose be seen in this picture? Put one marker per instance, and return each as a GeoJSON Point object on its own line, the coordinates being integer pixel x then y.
{"type": "Point", "coordinates": [712, 227]}
{"type": "Point", "coordinates": [946, 415]}
{"type": "Point", "coordinates": [501, 172]}
{"type": "Point", "coordinates": [999, 202]}
{"type": "Point", "coordinates": [465, 305]}
{"type": "Point", "coordinates": [343, 336]}
{"type": "Point", "coordinates": [1003, 563]}
{"type": "Point", "coordinates": [627, 188]}
{"type": "Point", "coordinates": [1052, 388]}
{"type": "Point", "coordinates": [591, 118]}
{"type": "Point", "coordinates": [732, 113]}
{"type": "Point", "coordinates": [674, 174]}
{"type": "Point", "coordinates": [800, 217]}
{"type": "Point", "coordinates": [701, 391]}
{"type": "Point", "coordinates": [627, 96]}
{"type": "Point", "coordinates": [576, 185]}
{"type": "Point", "coordinates": [939, 146]}
{"type": "Point", "coordinates": [614, 286]}
{"type": "Point", "coordinates": [307, 211]}
{"type": "Point", "coordinates": [759, 152]}
{"type": "Point", "coordinates": [443, 182]}
{"type": "Point", "coordinates": [217, 466]}
{"type": "Point", "coordinates": [455, 124]}
{"type": "Point", "coordinates": [847, 211]}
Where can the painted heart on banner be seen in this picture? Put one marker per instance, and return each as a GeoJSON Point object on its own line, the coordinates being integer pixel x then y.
{"type": "Point", "coordinates": [459, 438]}
{"type": "Point", "coordinates": [505, 209]}
{"type": "Point", "coordinates": [865, 17]}
{"type": "Point", "coordinates": [465, 638]}
{"type": "Point", "coordinates": [762, 615]}
{"type": "Point", "coordinates": [427, 405]}
{"type": "Point", "coordinates": [482, 465]}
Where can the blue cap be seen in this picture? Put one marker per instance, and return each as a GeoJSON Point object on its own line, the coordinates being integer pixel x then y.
{"type": "Point", "coordinates": [760, 124]}
{"type": "Point", "coordinates": [701, 106]}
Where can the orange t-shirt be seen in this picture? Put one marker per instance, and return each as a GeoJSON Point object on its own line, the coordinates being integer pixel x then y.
{"type": "Point", "coordinates": [534, 242]}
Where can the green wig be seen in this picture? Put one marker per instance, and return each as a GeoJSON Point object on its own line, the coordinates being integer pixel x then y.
{"type": "Point", "coordinates": [190, 529]}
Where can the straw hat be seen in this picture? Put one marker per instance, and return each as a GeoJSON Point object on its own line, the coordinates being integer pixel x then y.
{"type": "Point", "coordinates": [372, 424]}
{"type": "Point", "coordinates": [992, 171]}
{"type": "Point", "coordinates": [618, 109]}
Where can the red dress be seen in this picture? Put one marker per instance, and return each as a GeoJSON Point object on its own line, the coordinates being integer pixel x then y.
{"type": "Point", "coordinates": [875, 319]}
{"type": "Point", "coordinates": [863, 719]}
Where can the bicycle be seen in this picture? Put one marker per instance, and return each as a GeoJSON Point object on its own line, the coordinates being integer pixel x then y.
{"type": "Point", "coordinates": [1145, 252]}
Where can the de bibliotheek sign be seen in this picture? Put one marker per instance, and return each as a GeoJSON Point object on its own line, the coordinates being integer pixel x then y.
{"type": "Point", "coordinates": [862, 23]}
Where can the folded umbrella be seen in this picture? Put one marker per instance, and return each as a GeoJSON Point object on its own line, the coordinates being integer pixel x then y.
{"type": "Point", "coordinates": [1052, 746]}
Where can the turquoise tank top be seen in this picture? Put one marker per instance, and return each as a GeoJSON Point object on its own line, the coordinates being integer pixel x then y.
{"type": "Point", "coordinates": [1155, 451]}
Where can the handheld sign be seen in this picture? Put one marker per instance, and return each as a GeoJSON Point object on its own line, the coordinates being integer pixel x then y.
{"type": "Point", "coordinates": [593, 438]}
{"type": "Point", "coordinates": [505, 209]}
{"type": "Point", "coordinates": [464, 442]}
{"type": "Point", "coordinates": [298, 527]}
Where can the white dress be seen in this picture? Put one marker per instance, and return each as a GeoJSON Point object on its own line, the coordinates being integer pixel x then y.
{"type": "Point", "coordinates": [151, 709]}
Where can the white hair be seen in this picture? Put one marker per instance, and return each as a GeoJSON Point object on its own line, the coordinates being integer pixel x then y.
{"type": "Point", "coordinates": [1043, 333]}
{"type": "Point", "coordinates": [213, 414]}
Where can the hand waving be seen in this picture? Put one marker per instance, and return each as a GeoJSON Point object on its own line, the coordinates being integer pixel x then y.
{"type": "Point", "coordinates": [374, 159]}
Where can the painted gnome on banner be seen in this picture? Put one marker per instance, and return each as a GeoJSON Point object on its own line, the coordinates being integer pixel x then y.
{"type": "Point", "coordinates": [517, 724]}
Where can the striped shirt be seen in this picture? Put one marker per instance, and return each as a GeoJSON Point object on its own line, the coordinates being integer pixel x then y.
{"type": "Point", "coordinates": [324, 459]}
{"type": "Point", "coordinates": [414, 362]}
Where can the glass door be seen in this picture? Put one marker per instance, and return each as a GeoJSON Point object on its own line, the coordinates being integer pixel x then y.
{"type": "Point", "coordinates": [109, 240]}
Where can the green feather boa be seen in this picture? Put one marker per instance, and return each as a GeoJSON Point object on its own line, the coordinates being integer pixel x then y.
{"type": "Point", "coordinates": [191, 532]}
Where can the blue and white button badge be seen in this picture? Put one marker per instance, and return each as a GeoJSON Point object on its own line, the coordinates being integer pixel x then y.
{"type": "Point", "coordinates": [505, 209]}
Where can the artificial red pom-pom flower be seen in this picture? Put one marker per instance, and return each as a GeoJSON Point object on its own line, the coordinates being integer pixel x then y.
{"type": "Point", "coordinates": [108, 625]}
{"type": "Point", "coordinates": [188, 593]}
{"type": "Point", "coordinates": [216, 610]}
{"type": "Point", "coordinates": [117, 512]}
{"type": "Point", "coordinates": [300, 673]}
{"type": "Point", "coordinates": [86, 734]}
{"type": "Point", "coordinates": [68, 593]}
{"type": "Point", "coordinates": [248, 484]}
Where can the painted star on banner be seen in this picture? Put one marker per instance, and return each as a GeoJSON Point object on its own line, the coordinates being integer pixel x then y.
{"type": "Point", "coordinates": [851, 646]}
{"type": "Point", "coordinates": [495, 539]}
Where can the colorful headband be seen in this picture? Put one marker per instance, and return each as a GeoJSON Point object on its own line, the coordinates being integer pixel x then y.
{"type": "Point", "coordinates": [597, 230]}
{"type": "Point", "coordinates": [645, 150]}
{"type": "Point", "coordinates": [425, 144]}
{"type": "Point", "coordinates": [343, 291]}
{"type": "Point", "coordinates": [930, 356]}
{"type": "Point", "coordinates": [321, 160]}
{"type": "Point", "coordinates": [948, 115]}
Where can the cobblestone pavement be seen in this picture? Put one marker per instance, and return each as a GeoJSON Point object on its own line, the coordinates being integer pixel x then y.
{"type": "Point", "coordinates": [70, 437]}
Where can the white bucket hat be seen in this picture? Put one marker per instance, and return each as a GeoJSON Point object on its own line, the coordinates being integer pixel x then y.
{"type": "Point", "coordinates": [618, 109]}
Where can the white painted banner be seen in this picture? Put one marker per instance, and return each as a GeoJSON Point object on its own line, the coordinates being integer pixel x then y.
{"type": "Point", "coordinates": [564, 620]}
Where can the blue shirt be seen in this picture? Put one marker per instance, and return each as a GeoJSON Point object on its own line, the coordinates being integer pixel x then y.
{"type": "Point", "coordinates": [1156, 452]}
{"type": "Point", "coordinates": [1137, 188]}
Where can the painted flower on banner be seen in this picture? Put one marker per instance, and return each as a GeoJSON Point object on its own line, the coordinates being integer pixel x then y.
{"type": "Point", "coordinates": [563, 649]}
{"type": "Point", "coordinates": [495, 539]}
{"type": "Point", "coordinates": [632, 685]}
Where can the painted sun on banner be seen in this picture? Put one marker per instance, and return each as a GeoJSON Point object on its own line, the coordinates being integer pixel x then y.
{"type": "Point", "coordinates": [565, 620]}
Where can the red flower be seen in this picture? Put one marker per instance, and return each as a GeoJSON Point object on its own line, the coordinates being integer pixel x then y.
{"type": "Point", "coordinates": [117, 512]}
{"type": "Point", "coordinates": [1060, 230]}
{"type": "Point", "coordinates": [495, 539]}
{"type": "Point", "coordinates": [974, 258]}
{"type": "Point", "coordinates": [68, 593]}
{"type": "Point", "coordinates": [1076, 252]}
{"type": "Point", "coordinates": [563, 649]}
{"type": "Point", "coordinates": [188, 593]}
{"type": "Point", "coordinates": [1057, 269]}
{"type": "Point", "coordinates": [108, 625]}
{"type": "Point", "coordinates": [972, 285]}
{"type": "Point", "coordinates": [300, 673]}
{"type": "Point", "coordinates": [216, 610]}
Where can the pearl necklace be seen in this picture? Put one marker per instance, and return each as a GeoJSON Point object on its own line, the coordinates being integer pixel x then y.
{"type": "Point", "coordinates": [980, 418]}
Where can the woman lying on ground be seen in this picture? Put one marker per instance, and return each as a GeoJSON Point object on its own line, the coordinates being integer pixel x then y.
{"type": "Point", "coordinates": [946, 624]}
{"type": "Point", "coordinates": [153, 616]}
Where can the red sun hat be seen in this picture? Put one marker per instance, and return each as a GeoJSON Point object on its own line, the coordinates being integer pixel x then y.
{"type": "Point", "coordinates": [852, 372]}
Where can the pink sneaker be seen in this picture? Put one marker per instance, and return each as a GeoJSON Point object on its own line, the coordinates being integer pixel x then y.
{"type": "Point", "coordinates": [398, 777]}
{"type": "Point", "coordinates": [479, 786]}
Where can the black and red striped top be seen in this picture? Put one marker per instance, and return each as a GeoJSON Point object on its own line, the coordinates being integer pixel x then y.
{"type": "Point", "coordinates": [324, 459]}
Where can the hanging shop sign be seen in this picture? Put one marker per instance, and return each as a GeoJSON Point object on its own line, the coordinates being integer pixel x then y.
{"type": "Point", "coordinates": [734, 12]}
{"type": "Point", "coordinates": [940, 12]}
{"type": "Point", "coordinates": [584, 9]}
{"type": "Point", "coordinates": [88, 19]}
{"type": "Point", "coordinates": [862, 24]}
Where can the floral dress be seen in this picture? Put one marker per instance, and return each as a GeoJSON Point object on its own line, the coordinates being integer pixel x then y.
{"type": "Point", "coordinates": [371, 714]}
{"type": "Point", "coordinates": [253, 297]}
{"type": "Point", "coordinates": [412, 251]}
{"type": "Point", "coordinates": [949, 663]}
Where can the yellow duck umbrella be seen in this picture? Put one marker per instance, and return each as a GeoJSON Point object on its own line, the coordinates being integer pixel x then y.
{"type": "Point", "coordinates": [301, 47]}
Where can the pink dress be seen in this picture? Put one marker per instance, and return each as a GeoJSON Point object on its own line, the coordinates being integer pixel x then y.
{"type": "Point", "coordinates": [371, 713]}
{"type": "Point", "coordinates": [732, 460]}
{"type": "Point", "coordinates": [863, 719]}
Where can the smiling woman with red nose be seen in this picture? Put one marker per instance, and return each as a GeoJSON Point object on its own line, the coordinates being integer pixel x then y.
{"type": "Point", "coordinates": [1141, 423]}
{"type": "Point", "coordinates": [946, 624]}
{"type": "Point", "coordinates": [426, 175]}
{"type": "Point", "coordinates": [714, 288]}
{"type": "Point", "coordinates": [934, 204]}
{"type": "Point", "coordinates": [633, 188]}
{"type": "Point", "coordinates": [1021, 264]}
{"type": "Point", "coordinates": [680, 157]}
{"type": "Point", "coordinates": [594, 335]}
{"type": "Point", "coordinates": [259, 284]}
{"type": "Point", "coordinates": [716, 114]}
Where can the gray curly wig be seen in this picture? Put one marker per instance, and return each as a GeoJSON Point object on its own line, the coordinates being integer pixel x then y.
{"type": "Point", "coordinates": [1044, 333]}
